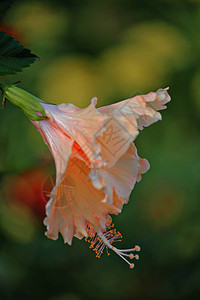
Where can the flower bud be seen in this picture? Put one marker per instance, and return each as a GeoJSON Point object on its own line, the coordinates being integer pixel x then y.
{"type": "Point", "coordinates": [28, 103]}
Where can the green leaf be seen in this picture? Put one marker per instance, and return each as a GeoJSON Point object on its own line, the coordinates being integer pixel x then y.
{"type": "Point", "coordinates": [13, 56]}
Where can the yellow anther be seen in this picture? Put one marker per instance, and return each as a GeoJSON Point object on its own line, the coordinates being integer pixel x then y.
{"type": "Point", "coordinates": [137, 248]}
{"type": "Point", "coordinates": [131, 266]}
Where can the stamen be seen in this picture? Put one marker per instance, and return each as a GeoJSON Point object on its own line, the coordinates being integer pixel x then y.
{"type": "Point", "coordinates": [105, 239]}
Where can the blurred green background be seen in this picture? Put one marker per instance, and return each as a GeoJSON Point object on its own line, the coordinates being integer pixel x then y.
{"type": "Point", "coordinates": [113, 50]}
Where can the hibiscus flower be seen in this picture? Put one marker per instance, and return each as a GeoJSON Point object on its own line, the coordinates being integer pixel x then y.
{"type": "Point", "coordinates": [97, 166]}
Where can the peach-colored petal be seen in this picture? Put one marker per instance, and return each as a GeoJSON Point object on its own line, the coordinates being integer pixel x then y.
{"type": "Point", "coordinates": [75, 202]}
{"type": "Point", "coordinates": [125, 118]}
{"type": "Point", "coordinates": [59, 144]}
{"type": "Point", "coordinates": [144, 167]}
{"type": "Point", "coordinates": [122, 177]}
{"type": "Point", "coordinates": [81, 125]}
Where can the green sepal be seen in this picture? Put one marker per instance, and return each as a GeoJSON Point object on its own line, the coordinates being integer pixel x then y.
{"type": "Point", "coordinates": [27, 102]}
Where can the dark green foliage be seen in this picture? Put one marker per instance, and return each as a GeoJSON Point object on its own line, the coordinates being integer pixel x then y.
{"type": "Point", "coordinates": [13, 56]}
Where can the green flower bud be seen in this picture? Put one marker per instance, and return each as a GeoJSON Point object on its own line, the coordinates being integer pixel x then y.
{"type": "Point", "coordinates": [28, 103]}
